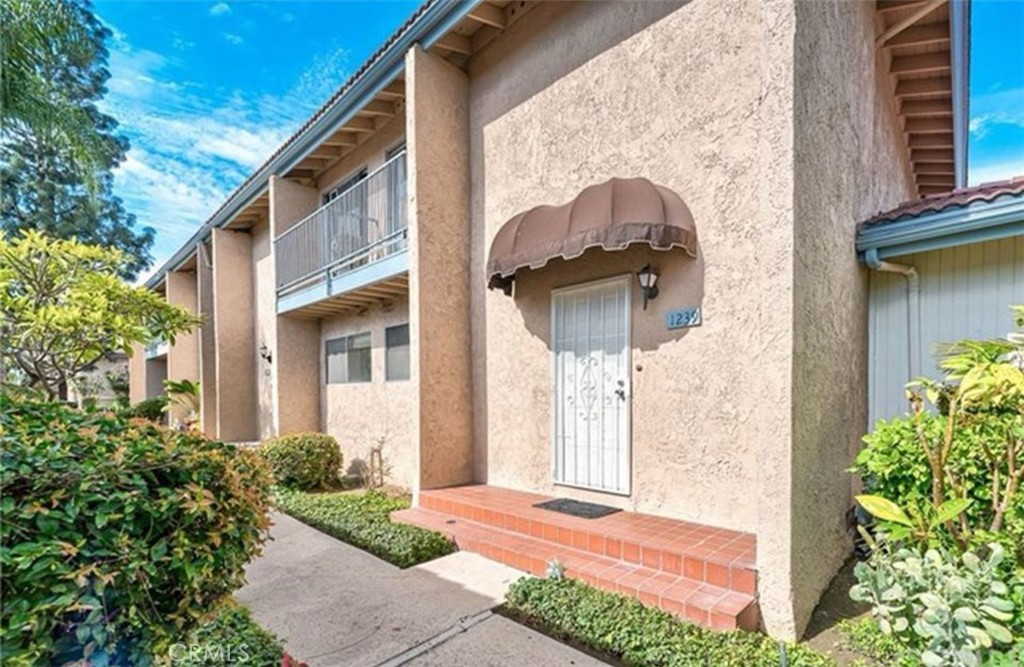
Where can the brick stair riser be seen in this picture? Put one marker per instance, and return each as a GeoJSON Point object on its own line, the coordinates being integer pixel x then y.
{"type": "Point", "coordinates": [739, 579]}
{"type": "Point", "coordinates": [696, 613]}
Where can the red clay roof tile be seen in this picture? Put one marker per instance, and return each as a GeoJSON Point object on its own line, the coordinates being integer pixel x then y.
{"type": "Point", "coordinates": [955, 198]}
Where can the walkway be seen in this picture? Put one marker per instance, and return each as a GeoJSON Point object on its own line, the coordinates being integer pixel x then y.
{"type": "Point", "coordinates": [338, 606]}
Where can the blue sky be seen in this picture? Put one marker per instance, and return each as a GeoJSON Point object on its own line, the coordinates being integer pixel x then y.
{"type": "Point", "coordinates": [206, 91]}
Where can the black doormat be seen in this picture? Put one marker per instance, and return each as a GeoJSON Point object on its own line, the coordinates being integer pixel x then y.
{"type": "Point", "coordinates": [577, 508]}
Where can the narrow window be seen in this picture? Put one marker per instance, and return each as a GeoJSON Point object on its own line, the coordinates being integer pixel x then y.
{"type": "Point", "coordinates": [348, 359]}
{"type": "Point", "coordinates": [397, 357]}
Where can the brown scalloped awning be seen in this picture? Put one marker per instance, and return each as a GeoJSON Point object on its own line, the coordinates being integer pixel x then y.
{"type": "Point", "coordinates": [612, 215]}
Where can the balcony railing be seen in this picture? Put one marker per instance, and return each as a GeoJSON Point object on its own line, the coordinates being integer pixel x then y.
{"type": "Point", "coordinates": [156, 348]}
{"type": "Point", "coordinates": [362, 225]}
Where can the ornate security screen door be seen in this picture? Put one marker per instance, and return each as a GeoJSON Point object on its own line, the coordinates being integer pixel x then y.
{"type": "Point", "coordinates": [590, 334]}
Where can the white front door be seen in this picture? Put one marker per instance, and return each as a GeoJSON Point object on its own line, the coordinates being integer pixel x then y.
{"type": "Point", "coordinates": [590, 344]}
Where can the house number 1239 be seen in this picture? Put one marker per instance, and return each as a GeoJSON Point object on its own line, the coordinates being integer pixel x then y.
{"type": "Point", "coordinates": [681, 318]}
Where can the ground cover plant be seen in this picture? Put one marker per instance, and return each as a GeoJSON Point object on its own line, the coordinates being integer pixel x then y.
{"type": "Point", "coordinates": [362, 520]}
{"type": "Point", "coordinates": [231, 637]}
{"type": "Point", "coordinates": [117, 535]}
{"type": "Point", "coordinates": [639, 636]}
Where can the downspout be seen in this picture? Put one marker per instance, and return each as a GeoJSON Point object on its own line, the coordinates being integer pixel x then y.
{"type": "Point", "coordinates": [874, 262]}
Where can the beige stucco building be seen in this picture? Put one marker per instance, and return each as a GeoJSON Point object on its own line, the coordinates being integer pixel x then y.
{"type": "Point", "coordinates": [727, 147]}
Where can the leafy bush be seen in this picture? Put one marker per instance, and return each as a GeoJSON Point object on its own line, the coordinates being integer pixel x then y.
{"type": "Point", "coordinates": [152, 409]}
{"type": "Point", "coordinates": [641, 636]}
{"type": "Point", "coordinates": [303, 461]}
{"type": "Point", "coordinates": [363, 521]}
{"type": "Point", "coordinates": [950, 609]}
{"type": "Point", "coordinates": [893, 465]}
{"type": "Point", "coordinates": [116, 535]}
{"type": "Point", "coordinates": [230, 638]}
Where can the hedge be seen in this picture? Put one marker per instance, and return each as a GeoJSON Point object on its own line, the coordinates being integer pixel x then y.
{"type": "Point", "coordinates": [116, 535]}
{"type": "Point", "coordinates": [362, 520]}
{"type": "Point", "coordinates": [304, 461]}
{"type": "Point", "coordinates": [621, 627]}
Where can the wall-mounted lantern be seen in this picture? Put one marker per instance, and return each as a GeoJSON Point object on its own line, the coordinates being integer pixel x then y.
{"type": "Point", "coordinates": [648, 279]}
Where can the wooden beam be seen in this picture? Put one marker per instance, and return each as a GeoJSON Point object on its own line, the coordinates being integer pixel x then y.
{"type": "Point", "coordinates": [341, 139]}
{"type": "Point", "coordinates": [358, 124]}
{"type": "Point", "coordinates": [934, 168]}
{"type": "Point", "coordinates": [932, 155]}
{"type": "Point", "coordinates": [932, 189]}
{"type": "Point", "coordinates": [924, 87]}
{"type": "Point", "coordinates": [936, 181]}
{"type": "Point", "coordinates": [378, 108]}
{"type": "Point", "coordinates": [488, 14]}
{"type": "Point", "coordinates": [930, 141]}
{"type": "Point", "coordinates": [928, 63]}
{"type": "Point", "coordinates": [395, 89]}
{"type": "Point", "coordinates": [909, 20]}
{"type": "Point", "coordinates": [456, 44]}
{"type": "Point", "coordinates": [928, 126]}
{"type": "Point", "coordinates": [896, 5]}
{"type": "Point", "coordinates": [943, 107]}
{"type": "Point", "coordinates": [921, 35]}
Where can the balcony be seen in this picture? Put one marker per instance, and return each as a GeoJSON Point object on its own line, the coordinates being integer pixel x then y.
{"type": "Point", "coordinates": [358, 239]}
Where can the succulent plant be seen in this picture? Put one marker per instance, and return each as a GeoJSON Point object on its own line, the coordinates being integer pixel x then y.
{"type": "Point", "coordinates": [952, 609]}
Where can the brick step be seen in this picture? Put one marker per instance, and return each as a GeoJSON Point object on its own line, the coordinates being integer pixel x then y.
{"type": "Point", "coordinates": [720, 557]}
{"type": "Point", "coordinates": [696, 601]}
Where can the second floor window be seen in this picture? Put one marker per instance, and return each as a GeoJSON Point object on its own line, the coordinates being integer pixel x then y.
{"type": "Point", "coordinates": [348, 359]}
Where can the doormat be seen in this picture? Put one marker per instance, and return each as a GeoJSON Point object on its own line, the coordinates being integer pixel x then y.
{"type": "Point", "coordinates": [577, 508]}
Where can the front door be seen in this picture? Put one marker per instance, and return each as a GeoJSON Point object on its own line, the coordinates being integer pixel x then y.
{"type": "Point", "coordinates": [590, 343]}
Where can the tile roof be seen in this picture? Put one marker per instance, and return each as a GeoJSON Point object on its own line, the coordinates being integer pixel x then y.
{"type": "Point", "coordinates": [959, 198]}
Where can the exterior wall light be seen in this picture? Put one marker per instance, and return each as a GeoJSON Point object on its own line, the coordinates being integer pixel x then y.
{"type": "Point", "coordinates": [648, 283]}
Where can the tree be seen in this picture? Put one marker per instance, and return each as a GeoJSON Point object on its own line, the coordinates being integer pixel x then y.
{"type": "Point", "coordinates": [57, 150]}
{"type": "Point", "coordinates": [63, 306]}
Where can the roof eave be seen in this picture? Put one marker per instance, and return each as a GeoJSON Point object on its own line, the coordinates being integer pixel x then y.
{"type": "Point", "coordinates": [974, 223]}
{"type": "Point", "coordinates": [427, 29]}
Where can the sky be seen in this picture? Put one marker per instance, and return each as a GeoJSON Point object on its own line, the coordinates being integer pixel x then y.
{"type": "Point", "coordinates": [206, 91]}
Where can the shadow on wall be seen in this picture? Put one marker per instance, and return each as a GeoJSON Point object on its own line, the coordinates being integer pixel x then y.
{"type": "Point", "coordinates": [680, 285]}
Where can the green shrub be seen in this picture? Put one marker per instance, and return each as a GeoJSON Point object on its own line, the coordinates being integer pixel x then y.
{"type": "Point", "coordinates": [362, 520]}
{"type": "Point", "coordinates": [947, 608]}
{"type": "Point", "coordinates": [303, 461]}
{"type": "Point", "coordinates": [116, 535]}
{"type": "Point", "coordinates": [893, 465]}
{"type": "Point", "coordinates": [230, 638]}
{"type": "Point", "coordinates": [641, 636]}
{"type": "Point", "coordinates": [153, 409]}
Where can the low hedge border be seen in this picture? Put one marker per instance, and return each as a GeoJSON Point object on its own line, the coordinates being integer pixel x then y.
{"type": "Point", "coordinates": [362, 520]}
{"type": "Point", "coordinates": [621, 627]}
{"type": "Point", "coordinates": [232, 637]}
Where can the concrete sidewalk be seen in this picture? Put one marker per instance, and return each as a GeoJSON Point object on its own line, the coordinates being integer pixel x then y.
{"type": "Point", "coordinates": [336, 605]}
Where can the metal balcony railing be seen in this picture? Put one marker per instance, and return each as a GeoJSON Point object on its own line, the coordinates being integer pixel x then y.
{"type": "Point", "coordinates": [362, 225]}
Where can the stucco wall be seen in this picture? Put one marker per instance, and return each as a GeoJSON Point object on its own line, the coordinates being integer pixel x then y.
{"type": "Point", "coordinates": [849, 164]}
{"type": "Point", "coordinates": [295, 364]}
{"type": "Point", "coordinates": [233, 305]}
{"type": "Point", "coordinates": [183, 356]}
{"type": "Point", "coordinates": [376, 413]}
{"type": "Point", "coordinates": [137, 374]}
{"type": "Point", "coordinates": [579, 93]}
{"type": "Point", "coordinates": [439, 249]}
{"type": "Point", "coordinates": [264, 327]}
{"type": "Point", "coordinates": [207, 339]}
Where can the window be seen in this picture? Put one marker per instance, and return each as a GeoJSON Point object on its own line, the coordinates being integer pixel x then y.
{"type": "Point", "coordinates": [397, 358]}
{"type": "Point", "coordinates": [348, 359]}
{"type": "Point", "coordinates": [345, 185]}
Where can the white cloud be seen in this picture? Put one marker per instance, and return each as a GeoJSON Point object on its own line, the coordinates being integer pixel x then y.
{"type": "Point", "coordinates": [1000, 107]}
{"type": "Point", "coordinates": [233, 38]}
{"type": "Point", "coordinates": [190, 145]}
{"type": "Point", "coordinates": [220, 9]}
{"type": "Point", "coordinates": [997, 170]}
